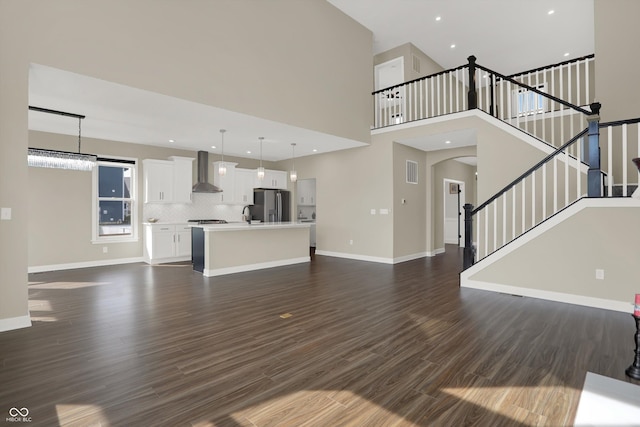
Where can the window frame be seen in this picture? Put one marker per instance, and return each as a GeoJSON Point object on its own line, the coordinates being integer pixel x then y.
{"type": "Point", "coordinates": [115, 161]}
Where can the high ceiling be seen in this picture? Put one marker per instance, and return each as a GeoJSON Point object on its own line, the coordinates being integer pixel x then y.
{"type": "Point", "coordinates": [505, 35]}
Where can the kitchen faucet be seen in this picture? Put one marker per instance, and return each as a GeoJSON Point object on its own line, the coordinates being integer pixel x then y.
{"type": "Point", "coordinates": [247, 217]}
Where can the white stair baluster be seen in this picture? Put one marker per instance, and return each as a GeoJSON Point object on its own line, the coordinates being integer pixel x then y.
{"type": "Point", "coordinates": [566, 178]}
{"type": "Point", "coordinates": [578, 171]}
{"type": "Point", "coordinates": [495, 224]}
{"type": "Point", "coordinates": [523, 207]}
{"type": "Point", "coordinates": [624, 160]}
{"type": "Point", "coordinates": [504, 218]}
{"type": "Point", "coordinates": [610, 161]}
{"type": "Point", "coordinates": [552, 110]}
{"type": "Point", "coordinates": [513, 212]}
{"type": "Point", "coordinates": [533, 199]}
{"type": "Point", "coordinates": [555, 184]}
{"type": "Point", "coordinates": [544, 191]}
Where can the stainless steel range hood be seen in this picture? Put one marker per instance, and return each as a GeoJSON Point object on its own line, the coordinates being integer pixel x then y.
{"type": "Point", "coordinates": [203, 185]}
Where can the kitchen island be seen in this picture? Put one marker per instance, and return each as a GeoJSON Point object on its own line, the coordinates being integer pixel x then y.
{"type": "Point", "coordinates": [219, 249]}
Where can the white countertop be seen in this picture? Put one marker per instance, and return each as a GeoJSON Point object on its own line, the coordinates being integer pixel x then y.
{"type": "Point", "coordinates": [243, 226]}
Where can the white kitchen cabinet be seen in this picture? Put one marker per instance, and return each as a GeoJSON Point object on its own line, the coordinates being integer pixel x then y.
{"type": "Point", "coordinates": [167, 243]}
{"type": "Point", "coordinates": [168, 181]}
{"type": "Point", "coordinates": [226, 182]}
{"type": "Point", "coordinates": [182, 179]}
{"type": "Point", "coordinates": [274, 179]}
{"type": "Point", "coordinates": [244, 185]}
{"type": "Point", "coordinates": [183, 241]}
{"type": "Point", "coordinates": [158, 181]}
{"type": "Point", "coordinates": [306, 189]}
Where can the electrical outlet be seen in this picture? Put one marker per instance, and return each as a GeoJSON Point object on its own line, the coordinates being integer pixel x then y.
{"type": "Point", "coordinates": [384, 211]}
{"type": "Point", "coordinates": [599, 274]}
{"type": "Point", "coordinates": [351, 242]}
{"type": "Point", "coordinates": [105, 249]}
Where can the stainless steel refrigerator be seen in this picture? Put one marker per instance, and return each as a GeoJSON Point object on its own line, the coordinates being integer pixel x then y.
{"type": "Point", "coordinates": [270, 205]}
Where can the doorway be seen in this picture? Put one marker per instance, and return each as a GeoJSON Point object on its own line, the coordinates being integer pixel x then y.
{"type": "Point", "coordinates": [454, 200]}
{"type": "Point", "coordinates": [389, 74]}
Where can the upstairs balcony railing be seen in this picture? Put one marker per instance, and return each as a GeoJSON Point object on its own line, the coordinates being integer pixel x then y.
{"type": "Point", "coordinates": [547, 103]}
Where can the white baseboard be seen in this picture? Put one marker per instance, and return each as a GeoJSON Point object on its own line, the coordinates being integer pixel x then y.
{"type": "Point", "coordinates": [250, 267]}
{"type": "Point", "coordinates": [435, 252]}
{"type": "Point", "coordinates": [85, 264]}
{"type": "Point", "coordinates": [356, 257]}
{"type": "Point", "coordinates": [166, 260]}
{"type": "Point", "coordinates": [15, 323]}
{"type": "Point", "coordinates": [624, 307]}
{"type": "Point", "coordinates": [451, 241]}
{"type": "Point", "coordinates": [409, 257]}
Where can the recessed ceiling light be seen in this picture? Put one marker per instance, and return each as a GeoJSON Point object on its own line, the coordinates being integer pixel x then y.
{"type": "Point", "coordinates": [453, 46]}
{"type": "Point", "coordinates": [315, 151]}
{"type": "Point", "coordinates": [171, 140]}
{"type": "Point", "coordinates": [447, 142]}
{"type": "Point", "coordinates": [566, 54]}
{"type": "Point", "coordinates": [213, 146]}
{"type": "Point", "coordinates": [551, 12]}
{"type": "Point", "coordinates": [248, 151]}
{"type": "Point", "coordinates": [438, 18]}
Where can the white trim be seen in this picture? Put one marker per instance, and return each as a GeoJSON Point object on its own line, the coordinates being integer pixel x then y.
{"type": "Point", "coordinates": [84, 264]}
{"type": "Point", "coordinates": [12, 323]}
{"type": "Point", "coordinates": [624, 307]}
{"type": "Point", "coordinates": [250, 267]}
{"type": "Point", "coordinates": [409, 257]}
{"type": "Point", "coordinates": [356, 257]}
{"type": "Point", "coordinates": [605, 202]}
{"type": "Point", "coordinates": [435, 252]}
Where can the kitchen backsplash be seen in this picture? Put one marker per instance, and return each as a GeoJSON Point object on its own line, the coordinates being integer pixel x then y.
{"type": "Point", "coordinates": [202, 207]}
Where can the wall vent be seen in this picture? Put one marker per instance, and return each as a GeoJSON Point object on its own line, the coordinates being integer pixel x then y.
{"type": "Point", "coordinates": [412, 172]}
{"type": "Point", "coordinates": [416, 63]}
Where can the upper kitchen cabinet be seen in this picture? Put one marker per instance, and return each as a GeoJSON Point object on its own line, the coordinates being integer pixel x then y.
{"type": "Point", "coordinates": [274, 179]}
{"type": "Point", "coordinates": [182, 179]}
{"type": "Point", "coordinates": [226, 182]}
{"type": "Point", "coordinates": [158, 181]}
{"type": "Point", "coordinates": [245, 182]}
{"type": "Point", "coordinates": [306, 191]}
{"type": "Point", "coordinates": [168, 181]}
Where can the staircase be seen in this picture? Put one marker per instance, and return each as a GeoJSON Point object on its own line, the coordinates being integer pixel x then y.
{"type": "Point", "coordinates": [588, 160]}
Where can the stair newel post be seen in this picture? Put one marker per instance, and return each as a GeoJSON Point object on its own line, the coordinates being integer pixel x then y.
{"type": "Point", "coordinates": [469, 253]}
{"type": "Point", "coordinates": [594, 180]}
{"type": "Point", "coordinates": [472, 96]}
{"type": "Point", "coordinates": [634, 370]}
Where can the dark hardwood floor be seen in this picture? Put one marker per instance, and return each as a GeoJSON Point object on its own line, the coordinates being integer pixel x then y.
{"type": "Point", "coordinates": [366, 345]}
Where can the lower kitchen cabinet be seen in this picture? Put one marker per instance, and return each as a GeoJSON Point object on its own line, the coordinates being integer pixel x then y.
{"type": "Point", "coordinates": [167, 243]}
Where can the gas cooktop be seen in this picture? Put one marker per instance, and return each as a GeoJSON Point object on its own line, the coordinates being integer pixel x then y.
{"type": "Point", "coordinates": [208, 221]}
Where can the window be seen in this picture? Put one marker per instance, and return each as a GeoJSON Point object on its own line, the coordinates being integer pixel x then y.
{"type": "Point", "coordinates": [528, 102]}
{"type": "Point", "coordinates": [114, 201]}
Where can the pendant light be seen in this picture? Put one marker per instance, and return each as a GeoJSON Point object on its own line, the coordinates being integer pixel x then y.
{"type": "Point", "coordinates": [42, 158]}
{"type": "Point", "coordinates": [293, 175]}
{"type": "Point", "coordinates": [261, 169]}
{"type": "Point", "coordinates": [222, 168]}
